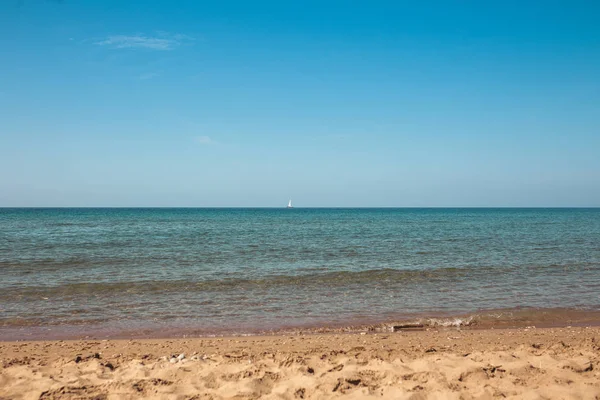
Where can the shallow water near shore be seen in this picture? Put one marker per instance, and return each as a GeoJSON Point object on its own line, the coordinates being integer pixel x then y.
{"type": "Point", "coordinates": [69, 272]}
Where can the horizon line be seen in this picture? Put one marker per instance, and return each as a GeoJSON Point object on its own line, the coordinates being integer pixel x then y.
{"type": "Point", "coordinates": [304, 208]}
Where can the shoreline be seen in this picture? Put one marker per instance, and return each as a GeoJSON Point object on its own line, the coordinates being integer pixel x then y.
{"type": "Point", "coordinates": [443, 363]}
{"type": "Point", "coordinates": [482, 319]}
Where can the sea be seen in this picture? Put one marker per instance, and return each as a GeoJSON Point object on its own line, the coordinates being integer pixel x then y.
{"type": "Point", "coordinates": [183, 272]}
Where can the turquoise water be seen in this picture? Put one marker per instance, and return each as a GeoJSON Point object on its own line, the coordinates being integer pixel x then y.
{"type": "Point", "coordinates": [238, 270]}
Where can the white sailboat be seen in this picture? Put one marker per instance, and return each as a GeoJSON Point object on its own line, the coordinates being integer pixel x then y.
{"type": "Point", "coordinates": [290, 204]}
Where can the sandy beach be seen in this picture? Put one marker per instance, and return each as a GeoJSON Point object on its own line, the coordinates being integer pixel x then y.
{"type": "Point", "coordinates": [525, 363]}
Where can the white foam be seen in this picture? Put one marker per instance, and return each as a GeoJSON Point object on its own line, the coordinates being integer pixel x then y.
{"type": "Point", "coordinates": [448, 322]}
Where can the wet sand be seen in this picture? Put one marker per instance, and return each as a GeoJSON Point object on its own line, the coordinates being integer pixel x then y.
{"type": "Point", "coordinates": [530, 363]}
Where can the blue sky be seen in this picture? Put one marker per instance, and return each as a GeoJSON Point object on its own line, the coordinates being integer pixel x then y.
{"type": "Point", "coordinates": [330, 103]}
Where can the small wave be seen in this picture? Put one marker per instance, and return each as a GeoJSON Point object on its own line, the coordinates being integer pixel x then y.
{"type": "Point", "coordinates": [506, 318]}
{"type": "Point", "coordinates": [313, 278]}
{"type": "Point", "coordinates": [449, 322]}
{"type": "Point", "coordinates": [310, 277]}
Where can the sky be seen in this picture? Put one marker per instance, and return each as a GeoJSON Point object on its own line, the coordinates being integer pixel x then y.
{"type": "Point", "coordinates": [189, 103]}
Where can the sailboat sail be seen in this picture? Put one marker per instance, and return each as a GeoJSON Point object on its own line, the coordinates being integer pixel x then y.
{"type": "Point", "coordinates": [290, 204]}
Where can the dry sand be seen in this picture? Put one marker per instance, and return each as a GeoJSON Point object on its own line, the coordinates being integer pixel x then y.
{"type": "Point", "coordinates": [556, 363]}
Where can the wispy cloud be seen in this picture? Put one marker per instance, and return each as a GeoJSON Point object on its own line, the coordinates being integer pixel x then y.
{"type": "Point", "coordinates": [148, 75]}
{"type": "Point", "coordinates": [162, 41]}
{"type": "Point", "coordinates": [204, 140]}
